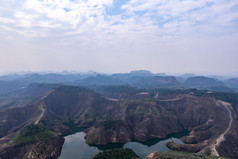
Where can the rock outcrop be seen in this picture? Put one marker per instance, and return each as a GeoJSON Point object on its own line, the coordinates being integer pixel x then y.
{"type": "Point", "coordinates": [117, 121]}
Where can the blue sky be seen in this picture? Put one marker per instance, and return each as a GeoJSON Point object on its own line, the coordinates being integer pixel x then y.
{"type": "Point", "coordinates": [175, 36]}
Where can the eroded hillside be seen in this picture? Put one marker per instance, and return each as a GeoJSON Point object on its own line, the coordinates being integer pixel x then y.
{"type": "Point", "coordinates": [114, 121]}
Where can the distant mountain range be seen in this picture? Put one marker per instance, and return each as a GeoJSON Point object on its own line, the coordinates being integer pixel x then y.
{"type": "Point", "coordinates": [140, 79]}
{"type": "Point", "coordinates": [37, 110]}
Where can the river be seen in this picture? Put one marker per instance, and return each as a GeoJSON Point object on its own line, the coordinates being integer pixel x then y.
{"type": "Point", "coordinates": [76, 148]}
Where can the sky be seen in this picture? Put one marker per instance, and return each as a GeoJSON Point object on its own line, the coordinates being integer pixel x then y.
{"type": "Point", "coordinates": [171, 36]}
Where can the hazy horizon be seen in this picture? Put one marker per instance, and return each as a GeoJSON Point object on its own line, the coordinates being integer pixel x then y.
{"type": "Point", "coordinates": [110, 36]}
{"type": "Point", "coordinates": [66, 72]}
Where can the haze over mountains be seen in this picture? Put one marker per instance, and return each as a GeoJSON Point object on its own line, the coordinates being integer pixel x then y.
{"type": "Point", "coordinates": [141, 79]}
{"type": "Point", "coordinates": [195, 37]}
{"type": "Point", "coordinates": [37, 110]}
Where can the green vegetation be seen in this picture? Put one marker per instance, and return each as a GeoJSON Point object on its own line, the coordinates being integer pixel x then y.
{"type": "Point", "coordinates": [32, 133]}
{"type": "Point", "coordinates": [110, 146]}
{"type": "Point", "coordinates": [108, 123]}
{"type": "Point", "coordinates": [226, 96]}
{"type": "Point", "coordinates": [154, 141]}
{"type": "Point", "coordinates": [170, 145]}
{"type": "Point", "coordinates": [125, 103]}
{"type": "Point", "coordinates": [141, 110]}
{"type": "Point", "coordinates": [231, 97]}
{"type": "Point", "coordinates": [154, 112]}
{"type": "Point", "coordinates": [118, 153]}
{"type": "Point", "coordinates": [7, 104]}
{"type": "Point", "coordinates": [92, 138]}
{"type": "Point", "coordinates": [41, 148]}
{"type": "Point", "coordinates": [90, 115]}
{"type": "Point", "coordinates": [207, 151]}
{"type": "Point", "coordinates": [177, 91]}
{"type": "Point", "coordinates": [72, 89]}
{"type": "Point", "coordinates": [121, 89]}
{"type": "Point", "coordinates": [73, 127]}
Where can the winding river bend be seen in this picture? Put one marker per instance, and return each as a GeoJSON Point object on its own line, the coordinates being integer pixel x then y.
{"type": "Point", "coordinates": [75, 147]}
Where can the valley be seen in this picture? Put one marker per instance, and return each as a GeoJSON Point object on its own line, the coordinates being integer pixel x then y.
{"type": "Point", "coordinates": [118, 79]}
{"type": "Point", "coordinates": [35, 125]}
{"type": "Point", "coordinates": [72, 142]}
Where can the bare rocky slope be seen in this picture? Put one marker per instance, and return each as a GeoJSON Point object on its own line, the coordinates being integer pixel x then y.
{"type": "Point", "coordinates": [113, 121]}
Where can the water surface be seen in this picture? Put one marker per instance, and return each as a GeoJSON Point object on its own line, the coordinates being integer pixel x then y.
{"type": "Point", "coordinates": [76, 148]}
{"type": "Point", "coordinates": [144, 150]}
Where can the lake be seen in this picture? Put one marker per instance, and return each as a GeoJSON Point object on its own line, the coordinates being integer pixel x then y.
{"type": "Point", "coordinates": [76, 148]}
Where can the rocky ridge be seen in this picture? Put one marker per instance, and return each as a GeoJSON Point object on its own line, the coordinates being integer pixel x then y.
{"type": "Point", "coordinates": [114, 121]}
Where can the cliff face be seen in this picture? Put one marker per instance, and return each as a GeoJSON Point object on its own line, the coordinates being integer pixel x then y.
{"type": "Point", "coordinates": [113, 121]}
{"type": "Point", "coordinates": [53, 147]}
{"type": "Point", "coordinates": [143, 120]}
{"type": "Point", "coordinates": [121, 121]}
{"type": "Point", "coordinates": [140, 120]}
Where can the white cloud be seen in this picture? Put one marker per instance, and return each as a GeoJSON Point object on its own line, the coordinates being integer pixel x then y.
{"type": "Point", "coordinates": [138, 26]}
{"type": "Point", "coordinates": [69, 12]}
{"type": "Point", "coordinates": [176, 13]}
{"type": "Point", "coordinates": [164, 17]}
{"type": "Point", "coordinates": [6, 20]}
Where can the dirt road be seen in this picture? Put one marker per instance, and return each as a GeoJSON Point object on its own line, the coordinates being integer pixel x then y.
{"type": "Point", "coordinates": [42, 107]}
{"type": "Point", "coordinates": [222, 136]}
{"type": "Point", "coordinates": [41, 115]}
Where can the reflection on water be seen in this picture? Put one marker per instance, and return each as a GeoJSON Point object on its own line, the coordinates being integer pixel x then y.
{"type": "Point", "coordinates": [144, 150]}
{"type": "Point", "coordinates": [76, 148]}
